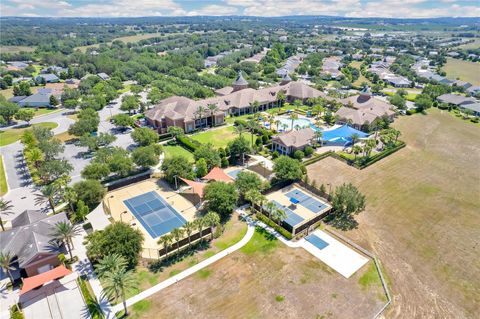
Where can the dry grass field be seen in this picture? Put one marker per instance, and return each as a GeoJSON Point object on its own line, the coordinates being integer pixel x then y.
{"type": "Point", "coordinates": [422, 217]}
{"type": "Point", "coordinates": [15, 49]}
{"type": "Point", "coordinates": [126, 39]}
{"type": "Point", "coordinates": [266, 279]}
{"type": "Point", "coordinates": [464, 70]}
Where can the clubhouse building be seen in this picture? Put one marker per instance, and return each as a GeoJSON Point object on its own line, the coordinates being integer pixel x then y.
{"type": "Point", "coordinates": [238, 99]}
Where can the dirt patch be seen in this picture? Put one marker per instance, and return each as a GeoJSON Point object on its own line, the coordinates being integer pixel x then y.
{"type": "Point", "coordinates": [278, 282]}
{"type": "Point", "coordinates": [422, 215]}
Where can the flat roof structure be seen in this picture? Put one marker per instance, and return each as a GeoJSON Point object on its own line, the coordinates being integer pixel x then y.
{"type": "Point", "coordinates": [302, 207]}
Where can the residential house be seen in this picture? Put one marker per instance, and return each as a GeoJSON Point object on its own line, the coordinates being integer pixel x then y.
{"type": "Point", "coordinates": [331, 68]}
{"type": "Point", "coordinates": [288, 142]}
{"type": "Point", "coordinates": [362, 110]}
{"type": "Point", "coordinates": [31, 243]}
{"type": "Point", "coordinates": [47, 78]}
{"type": "Point", "coordinates": [473, 90]}
{"type": "Point", "coordinates": [53, 69]}
{"type": "Point", "coordinates": [462, 84]}
{"type": "Point", "coordinates": [236, 100]}
{"type": "Point", "coordinates": [456, 99]}
{"type": "Point", "coordinates": [398, 81]}
{"type": "Point", "coordinates": [39, 99]}
{"type": "Point", "coordinates": [103, 76]}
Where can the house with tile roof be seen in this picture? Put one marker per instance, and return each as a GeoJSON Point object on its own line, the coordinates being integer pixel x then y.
{"type": "Point", "coordinates": [363, 109]}
{"type": "Point", "coordinates": [289, 142]}
{"type": "Point", "coordinates": [190, 114]}
{"type": "Point", "coordinates": [30, 242]}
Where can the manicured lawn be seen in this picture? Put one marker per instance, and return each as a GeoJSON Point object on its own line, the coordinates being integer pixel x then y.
{"type": "Point", "coordinates": [3, 179]}
{"type": "Point", "coordinates": [464, 70]}
{"type": "Point", "coordinates": [421, 217]}
{"type": "Point", "coordinates": [220, 137]}
{"type": "Point", "coordinates": [177, 150]}
{"type": "Point", "coordinates": [43, 110]}
{"type": "Point", "coordinates": [12, 135]}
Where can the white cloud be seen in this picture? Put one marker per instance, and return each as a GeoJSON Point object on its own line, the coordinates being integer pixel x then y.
{"type": "Point", "coordinates": [214, 10]}
{"type": "Point", "coordinates": [398, 9]}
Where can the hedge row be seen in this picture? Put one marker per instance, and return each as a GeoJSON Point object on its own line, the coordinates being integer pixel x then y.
{"type": "Point", "coordinates": [373, 159]}
{"type": "Point", "coordinates": [316, 158]}
{"type": "Point", "coordinates": [164, 137]}
{"type": "Point", "coordinates": [285, 233]}
{"type": "Point", "coordinates": [188, 143]}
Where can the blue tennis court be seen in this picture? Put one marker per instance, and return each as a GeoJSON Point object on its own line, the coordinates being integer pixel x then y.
{"type": "Point", "coordinates": [292, 218]}
{"type": "Point", "coordinates": [306, 201]}
{"type": "Point", "coordinates": [316, 241]}
{"type": "Point", "coordinates": [154, 213]}
{"type": "Point", "coordinates": [233, 174]}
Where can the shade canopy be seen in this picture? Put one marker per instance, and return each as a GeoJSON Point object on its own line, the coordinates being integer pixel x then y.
{"type": "Point", "coordinates": [33, 282]}
{"type": "Point", "coordinates": [343, 133]}
{"type": "Point", "coordinates": [217, 174]}
{"type": "Point", "coordinates": [197, 187]}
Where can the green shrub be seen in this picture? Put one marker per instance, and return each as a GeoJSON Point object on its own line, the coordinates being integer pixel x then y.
{"type": "Point", "coordinates": [285, 233]}
{"type": "Point", "coordinates": [240, 122]}
{"type": "Point", "coordinates": [188, 143]}
{"type": "Point", "coordinates": [308, 150]}
{"type": "Point", "coordinates": [15, 313]}
{"type": "Point", "coordinates": [275, 155]}
{"type": "Point", "coordinates": [225, 162]}
{"type": "Point", "coordinates": [298, 155]}
{"type": "Point", "coordinates": [411, 111]}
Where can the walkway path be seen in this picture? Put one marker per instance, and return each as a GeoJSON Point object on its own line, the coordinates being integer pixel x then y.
{"type": "Point", "coordinates": [172, 280]}
{"type": "Point", "coordinates": [85, 268]}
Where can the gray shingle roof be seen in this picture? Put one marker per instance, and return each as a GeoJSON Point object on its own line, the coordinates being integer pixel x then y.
{"type": "Point", "coordinates": [30, 235]}
{"type": "Point", "coordinates": [240, 80]}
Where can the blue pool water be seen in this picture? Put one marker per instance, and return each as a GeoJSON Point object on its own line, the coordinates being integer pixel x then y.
{"type": "Point", "coordinates": [316, 241]}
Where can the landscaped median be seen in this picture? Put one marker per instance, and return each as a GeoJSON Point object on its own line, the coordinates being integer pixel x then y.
{"type": "Point", "coordinates": [3, 179]}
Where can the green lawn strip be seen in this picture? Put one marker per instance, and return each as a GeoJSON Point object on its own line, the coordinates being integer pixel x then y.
{"type": "Point", "coordinates": [204, 273]}
{"type": "Point", "coordinates": [3, 179]}
{"type": "Point", "coordinates": [177, 150]}
{"type": "Point", "coordinates": [262, 242]}
{"type": "Point", "coordinates": [370, 277]}
{"type": "Point", "coordinates": [42, 111]}
{"type": "Point", "coordinates": [220, 137]}
{"type": "Point", "coordinates": [232, 240]}
{"type": "Point", "coordinates": [12, 135]}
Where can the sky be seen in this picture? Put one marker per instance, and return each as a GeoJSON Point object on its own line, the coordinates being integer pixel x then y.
{"type": "Point", "coordinates": [138, 8]}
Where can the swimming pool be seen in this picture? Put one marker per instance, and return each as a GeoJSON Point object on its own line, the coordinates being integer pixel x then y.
{"type": "Point", "coordinates": [286, 123]}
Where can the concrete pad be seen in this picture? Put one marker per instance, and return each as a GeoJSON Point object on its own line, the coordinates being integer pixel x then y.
{"type": "Point", "coordinates": [37, 308]}
{"type": "Point", "coordinates": [68, 300]}
{"type": "Point", "coordinates": [336, 255]}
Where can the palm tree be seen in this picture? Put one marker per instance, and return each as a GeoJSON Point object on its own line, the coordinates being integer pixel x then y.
{"type": "Point", "coordinates": [71, 197]}
{"type": "Point", "coordinates": [278, 215]}
{"type": "Point", "coordinates": [297, 127]}
{"type": "Point", "coordinates": [356, 150]}
{"type": "Point", "coordinates": [280, 97]}
{"type": "Point", "coordinates": [277, 124]}
{"type": "Point", "coordinates": [397, 133]}
{"type": "Point", "coordinates": [165, 240]}
{"type": "Point", "coordinates": [212, 220]}
{"type": "Point", "coordinates": [255, 197]}
{"type": "Point", "coordinates": [297, 103]}
{"type": "Point", "coordinates": [254, 105]}
{"type": "Point", "coordinates": [110, 262]}
{"type": "Point", "coordinates": [239, 129]}
{"type": "Point", "coordinates": [35, 155]}
{"type": "Point", "coordinates": [318, 136]}
{"type": "Point", "coordinates": [354, 137]}
{"type": "Point", "coordinates": [319, 109]}
{"type": "Point", "coordinates": [188, 226]}
{"type": "Point", "coordinates": [177, 233]}
{"type": "Point", "coordinates": [64, 232]}
{"type": "Point", "coordinates": [252, 126]}
{"type": "Point", "coordinates": [270, 207]}
{"type": "Point", "coordinates": [200, 111]}
{"type": "Point", "coordinates": [48, 194]}
{"type": "Point", "coordinates": [212, 108]}
{"type": "Point", "coordinates": [199, 223]}
{"type": "Point", "coordinates": [293, 116]}
{"type": "Point", "coordinates": [6, 264]}
{"type": "Point", "coordinates": [5, 209]}
{"type": "Point", "coordinates": [117, 282]}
